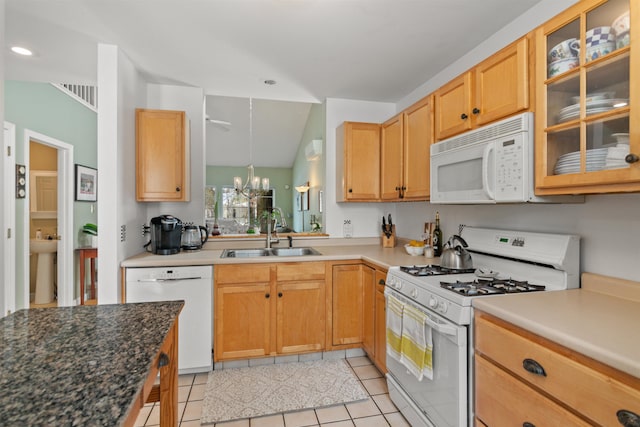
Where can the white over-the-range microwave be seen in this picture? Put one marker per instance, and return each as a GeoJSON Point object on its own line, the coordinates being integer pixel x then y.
{"type": "Point", "coordinates": [492, 164]}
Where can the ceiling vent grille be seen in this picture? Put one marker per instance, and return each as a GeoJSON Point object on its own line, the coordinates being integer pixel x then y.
{"type": "Point", "coordinates": [84, 94]}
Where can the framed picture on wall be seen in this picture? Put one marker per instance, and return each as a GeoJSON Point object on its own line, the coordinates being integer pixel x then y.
{"type": "Point", "coordinates": [86, 184]}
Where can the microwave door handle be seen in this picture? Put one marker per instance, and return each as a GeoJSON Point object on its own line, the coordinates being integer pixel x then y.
{"type": "Point", "coordinates": [485, 171]}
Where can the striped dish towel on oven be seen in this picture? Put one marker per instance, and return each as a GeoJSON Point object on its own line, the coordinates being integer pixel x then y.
{"type": "Point", "coordinates": [416, 350]}
{"type": "Point", "coordinates": [394, 326]}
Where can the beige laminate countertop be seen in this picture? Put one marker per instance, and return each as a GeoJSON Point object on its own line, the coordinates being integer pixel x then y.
{"type": "Point", "coordinates": [589, 320]}
{"type": "Point", "coordinates": [331, 250]}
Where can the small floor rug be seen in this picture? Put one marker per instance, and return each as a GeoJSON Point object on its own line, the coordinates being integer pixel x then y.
{"type": "Point", "coordinates": [263, 390]}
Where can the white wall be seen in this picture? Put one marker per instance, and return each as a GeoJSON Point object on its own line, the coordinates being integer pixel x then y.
{"type": "Point", "coordinates": [2, 215]}
{"type": "Point", "coordinates": [365, 217]}
{"type": "Point", "coordinates": [609, 226]}
{"type": "Point", "coordinates": [121, 89]}
{"type": "Point", "coordinates": [190, 100]}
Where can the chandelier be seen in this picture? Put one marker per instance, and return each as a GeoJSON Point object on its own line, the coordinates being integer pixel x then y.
{"type": "Point", "coordinates": [254, 187]}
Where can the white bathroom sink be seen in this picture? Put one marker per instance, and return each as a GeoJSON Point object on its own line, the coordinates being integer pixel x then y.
{"type": "Point", "coordinates": [43, 246]}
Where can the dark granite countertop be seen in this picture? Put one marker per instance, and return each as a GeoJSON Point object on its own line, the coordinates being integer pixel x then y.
{"type": "Point", "coordinates": [78, 366]}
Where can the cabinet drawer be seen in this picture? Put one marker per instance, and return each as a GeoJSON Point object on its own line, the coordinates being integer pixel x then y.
{"type": "Point", "coordinates": [594, 390]}
{"type": "Point", "coordinates": [300, 271]}
{"type": "Point", "coordinates": [502, 400]}
{"type": "Point", "coordinates": [242, 273]}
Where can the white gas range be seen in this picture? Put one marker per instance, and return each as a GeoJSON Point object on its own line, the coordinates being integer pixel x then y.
{"type": "Point", "coordinates": [505, 262]}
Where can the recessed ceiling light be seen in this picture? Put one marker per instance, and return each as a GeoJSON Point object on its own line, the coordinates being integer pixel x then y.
{"type": "Point", "coordinates": [21, 51]}
{"type": "Point", "coordinates": [269, 82]}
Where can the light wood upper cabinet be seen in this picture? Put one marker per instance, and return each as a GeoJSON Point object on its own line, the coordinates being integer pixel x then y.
{"type": "Point", "coordinates": [405, 142]}
{"type": "Point", "coordinates": [391, 158]}
{"type": "Point", "coordinates": [453, 107]}
{"type": "Point", "coordinates": [162, 156]}
{"type": "Point", "coordinates": [496, 88]}
{"type": "Point", "coordinates": [586, 110]}
{"type": "Point", "coordinates": [417, 137]}
{"type": "Point", "coordinates": [502, 84]}
{"type": "Point", "coordinates": [358, 162]}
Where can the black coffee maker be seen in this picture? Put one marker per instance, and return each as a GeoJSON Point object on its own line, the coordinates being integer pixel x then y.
{"type": "Point", "coordinates": [166, 235]}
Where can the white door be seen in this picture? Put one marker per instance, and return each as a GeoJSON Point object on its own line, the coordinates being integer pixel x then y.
{"type": "Point", "coordinates": [66, 281]}
{"type": "Point", "coordinates": [7, 295]}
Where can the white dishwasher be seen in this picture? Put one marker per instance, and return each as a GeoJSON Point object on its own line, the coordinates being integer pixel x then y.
{"type": "Point", "coordinates": [194, 285]}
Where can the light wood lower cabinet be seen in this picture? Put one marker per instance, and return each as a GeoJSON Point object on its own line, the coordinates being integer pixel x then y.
{"type": "Point", "coordinates": [347, 304]}
{"type": "Point", "coordinates": [544, 383]}
{"type": "Point", "coordinates": [374, 326]}
{"type": "Point", "coordinates": [380, 327]}
{"type": "Point", "coordinates": [368, 309]}
{"type": "Point", "coordinates": [269, 309]}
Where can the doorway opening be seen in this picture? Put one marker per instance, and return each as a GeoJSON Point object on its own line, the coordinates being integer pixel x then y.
{"type": "Point", "coordinates": [48, 228]}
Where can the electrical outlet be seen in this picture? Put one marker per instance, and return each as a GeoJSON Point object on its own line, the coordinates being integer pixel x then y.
{"type": "Point", "coordinates": [347, 229]}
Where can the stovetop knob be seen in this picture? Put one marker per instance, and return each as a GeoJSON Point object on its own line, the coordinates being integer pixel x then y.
{"type": "Point", "coordinates": [433, 303]}
{"type": "Point", "coordinates": [414, 293]}
{"type": "Point", "coordinates": [443, 307]}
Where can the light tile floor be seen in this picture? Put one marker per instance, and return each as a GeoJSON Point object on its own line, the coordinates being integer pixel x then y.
{"type": "Point", "coordinates": [378, 410]}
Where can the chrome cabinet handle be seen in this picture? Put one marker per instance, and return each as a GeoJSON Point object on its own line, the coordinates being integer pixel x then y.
{"type": "Point", "coordinates": [534, 367]}
{"type": "Point", "coordinates": [628, 418]}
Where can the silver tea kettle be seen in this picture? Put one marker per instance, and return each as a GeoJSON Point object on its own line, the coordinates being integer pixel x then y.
{"type": "Point", "coordinates": [456, 257]}
{"type": "Point", "coordinates": [193, 237]}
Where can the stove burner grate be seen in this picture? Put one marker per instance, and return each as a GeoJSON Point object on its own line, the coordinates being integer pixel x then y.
{"type": "Point", "coordinates": [491, 287]}
{"type": "Point", "coordinates": [432, 270]}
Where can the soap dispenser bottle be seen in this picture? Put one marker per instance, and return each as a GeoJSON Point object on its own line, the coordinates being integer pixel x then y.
{"type": "Point", "coordinates": [38, 234]}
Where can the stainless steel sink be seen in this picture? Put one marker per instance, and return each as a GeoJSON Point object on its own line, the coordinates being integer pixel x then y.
{"type": "Point", "coordinates": [294, 251]}
{"type": "Point", "coordinates": [277, 252]}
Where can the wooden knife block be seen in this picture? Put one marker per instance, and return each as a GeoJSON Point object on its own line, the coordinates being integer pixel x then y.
{"type": "Point", "coordinates": [389, 242]}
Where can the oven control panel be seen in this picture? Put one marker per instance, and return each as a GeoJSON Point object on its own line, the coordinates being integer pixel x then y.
{"type": "Point", "coordinates": [429, 300]}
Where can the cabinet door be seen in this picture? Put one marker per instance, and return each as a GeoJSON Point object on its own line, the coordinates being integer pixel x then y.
{"type": "Point", "coordinates": [362, 161]}
{"type": "Point", "coordinates": [418, 137]}
{"type": "Point", "coordinates": [300, 318]}
{"type": "Point", "coordinates": [161, 156]}
{"type": "Point", "coordinates": [587, 134]}
{"type": "Point", "coordinates": [242, 321]}
{"type": "Point", "coordinates": [391, 159]}
{"type": "Point", "coordinates": [347, 310]}
{"type": "Point", "coordinates": [368, 307]}
{"type": "Point", "coordinates": [380, 323]}
{"type": "Point", "coordinates": [453, 107]}
{"type": "Point", "coordinates": [502, 84]}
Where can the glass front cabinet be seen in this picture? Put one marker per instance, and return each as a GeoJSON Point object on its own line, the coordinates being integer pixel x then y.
{"type": "Point", "coordinates": [588, 94]}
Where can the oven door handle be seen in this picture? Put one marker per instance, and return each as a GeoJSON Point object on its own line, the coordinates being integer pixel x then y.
{"type": "Point", "coordinates": [442, 328]}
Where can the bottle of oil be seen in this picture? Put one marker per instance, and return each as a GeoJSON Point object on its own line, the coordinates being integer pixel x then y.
{"type": "Point", "coordinates": [437, 237]}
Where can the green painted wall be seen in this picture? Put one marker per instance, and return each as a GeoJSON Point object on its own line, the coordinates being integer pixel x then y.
{"type": "Point", "coordinates": [278, 178]}
{"type": "Point", "coordinates": [42, 108]}
{"type": "Point", "coordinates": [311, 170]}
